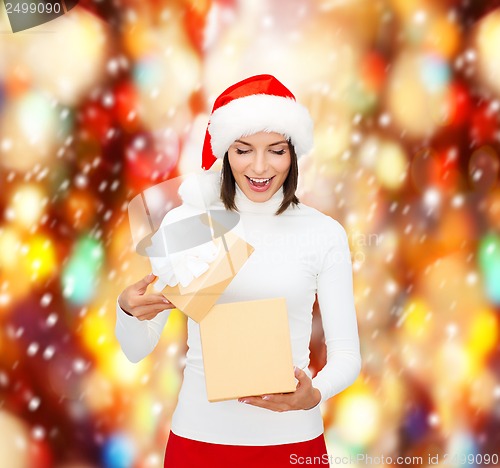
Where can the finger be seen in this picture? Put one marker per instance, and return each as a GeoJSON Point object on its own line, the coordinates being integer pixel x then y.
{"type": "Point", "coordinates": [147, 299]}
{"type": "Point", "coordinates": [148, 317]}
{"type": "Point", "coordinates": [261, 403]}
{"type": "Point", "coordinates": [271, 398]}
{"type": "Point", "coordinates": [301, 376]}
{"type": "Point", "coordinates": [138, 300]}
{"type": "Point", "coordinates": [143, 284]}
{"type": "Point", "coordinates": [144, 311]}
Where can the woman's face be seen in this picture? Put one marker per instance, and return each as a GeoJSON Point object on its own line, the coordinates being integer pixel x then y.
{"type": "Point", "coordinates": [260, 164]}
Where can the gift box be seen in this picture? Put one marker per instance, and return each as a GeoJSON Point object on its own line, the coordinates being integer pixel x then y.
{"type": "Point", "coordinates": [246, 349]}
{"type": "Point", "coordinates": [147, 210]}
{"type": "Point", "coordinates": [199, 296]}
{"type": "Point", "coordinates": [196, 255]}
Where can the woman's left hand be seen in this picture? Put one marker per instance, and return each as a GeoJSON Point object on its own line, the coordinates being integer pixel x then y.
{"type": "Point", "coordinates": [303, 398]}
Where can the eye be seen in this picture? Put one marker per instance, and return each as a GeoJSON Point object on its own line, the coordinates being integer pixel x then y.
{"type": "Point", "coordinates": [240, 151]}
{"type": "Point", "coordinates": [280, 152]}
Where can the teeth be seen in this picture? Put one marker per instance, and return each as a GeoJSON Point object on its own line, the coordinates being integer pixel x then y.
{"type": "Point", "coordinates": [260, 180]}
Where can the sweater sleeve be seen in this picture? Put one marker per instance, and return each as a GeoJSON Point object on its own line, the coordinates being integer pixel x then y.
{"type": "Point", "coordinates": [138, 338]}
{"type": "Point", "coordinates": [338, 315]}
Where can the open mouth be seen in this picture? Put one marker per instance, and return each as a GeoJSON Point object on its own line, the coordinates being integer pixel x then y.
{"type": "Point", "coordinates": [259, 182]}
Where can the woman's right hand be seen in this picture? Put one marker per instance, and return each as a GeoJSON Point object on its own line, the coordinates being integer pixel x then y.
{"type": "Point", "coordinates": [133, 300]}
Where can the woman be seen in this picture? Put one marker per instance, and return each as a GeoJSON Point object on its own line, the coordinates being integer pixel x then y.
{"type": "Point", "coordinates": [259, 131]}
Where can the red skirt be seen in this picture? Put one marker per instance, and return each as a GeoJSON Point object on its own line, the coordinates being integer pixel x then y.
{"type": "Point", "coordinates": [187, 453]}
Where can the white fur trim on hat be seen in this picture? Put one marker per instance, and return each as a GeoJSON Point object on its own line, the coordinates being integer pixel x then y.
{"type": "Point", "coordinates": [257, 113]}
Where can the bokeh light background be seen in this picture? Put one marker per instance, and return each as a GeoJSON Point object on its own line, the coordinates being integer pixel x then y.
{"type": "Point", "coordinates": [114, 97]}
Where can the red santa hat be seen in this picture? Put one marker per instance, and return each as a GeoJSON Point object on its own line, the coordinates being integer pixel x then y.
{"type": "Point", "coordinates": [256, 104]}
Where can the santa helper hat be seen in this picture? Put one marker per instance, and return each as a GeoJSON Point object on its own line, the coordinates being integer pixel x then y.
{"type": "Point", "coordinates": [256, 104]}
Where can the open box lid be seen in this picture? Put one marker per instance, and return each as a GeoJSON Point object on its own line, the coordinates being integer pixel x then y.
{"type": "Point", "coordinates": [183, 241]}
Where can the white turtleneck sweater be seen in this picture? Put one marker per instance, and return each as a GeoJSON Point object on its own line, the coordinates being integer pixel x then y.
{"type": "Point", "coordinates": [297, 255]}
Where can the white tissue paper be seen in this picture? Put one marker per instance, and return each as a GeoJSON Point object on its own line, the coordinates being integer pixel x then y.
{"type": "Point", "coordinates": [197, 191]}
{"type": "Point", "coordinates": [183, 267]}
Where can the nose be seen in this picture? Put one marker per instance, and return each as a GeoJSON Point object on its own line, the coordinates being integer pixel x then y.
{"type": "Point", "coordinates": [259, 162]}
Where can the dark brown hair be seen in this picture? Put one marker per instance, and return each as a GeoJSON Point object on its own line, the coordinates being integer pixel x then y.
{"type": "Point", "coordinates": [228, 188]}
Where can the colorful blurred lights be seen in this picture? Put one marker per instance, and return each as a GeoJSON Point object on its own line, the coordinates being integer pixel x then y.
{"type": "Point", "coordinates": [148, 73]}
{"type": "Point", "coordinates": [484, 167]}
{"type": "Point", "coordinates": [80, 275]}
{"type": "Point", "coordinates": [391, 165]}
{"type": "Point", "coordinates": [30, 127]}
{"type": "Point", "coordinates": [435, 72]}
{"type": "Point", "coordinates": [14, 441]}
{"type": "Point", "coordinates": [462, 444]}
{"type": "Point", "coordinates": [432, 198]}
{"type": "Point", "coordinates": [483, 334]}
{"type": "Point", "coordinates": [37, 117]}
{"type": "Point", "coordinates": [119, 452]}
{"type": "Point", "coordinates": [41, 260]}
{"type": "Point", "coordinates": [27, 205]}
{"type": "Point", "coordinates": [419, 81]}
{"type": "Point", "coordinates": [455, 366]}
{"type": "Point", "coordinates": [416, 318]}
{"type": "Point", "coordinates": [488, 45]}
{"type": "Point", "coordinates": [170, 381]}
{"type": "Point", "coordinates": [124, 372]}
{"type": "Point", "coordinates": [10, 247]}
{"type": "Point", "coordinates": [358, 405]}
{"type": "Point", "coordinates": [444, 36]}
{"type": "Point", "coordinates": [489, 262]}
{"type": "Point", "coordinates": [97, 333]}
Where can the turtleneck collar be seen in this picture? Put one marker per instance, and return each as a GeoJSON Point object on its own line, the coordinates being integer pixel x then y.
{"type": "Point", "coordinates": [245, 205]}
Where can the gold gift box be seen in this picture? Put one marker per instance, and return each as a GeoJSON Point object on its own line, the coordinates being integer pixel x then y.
{"type": "Point", "coordinates": [197, 299]}
{"type": "Point", "coordinates": [246, 349]}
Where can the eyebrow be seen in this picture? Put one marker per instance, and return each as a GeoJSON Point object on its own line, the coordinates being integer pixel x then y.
{"type": "Point", "coordinates": [272, 144]}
